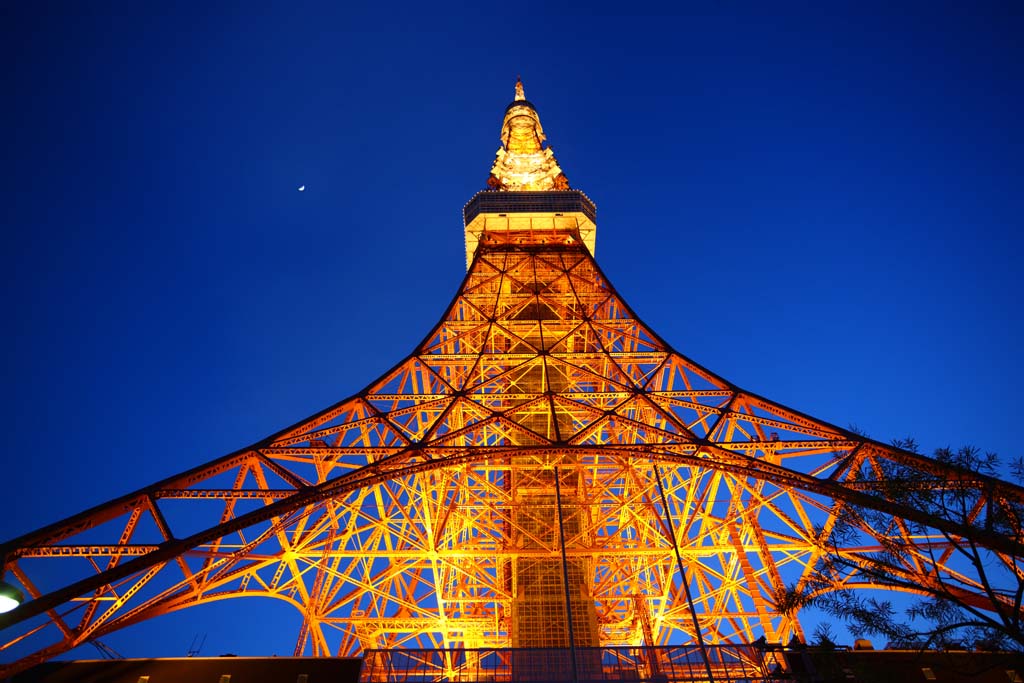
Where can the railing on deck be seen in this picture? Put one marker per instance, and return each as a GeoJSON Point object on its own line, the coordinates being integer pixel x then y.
{"type": "Point", "coordinates": [666, 664]}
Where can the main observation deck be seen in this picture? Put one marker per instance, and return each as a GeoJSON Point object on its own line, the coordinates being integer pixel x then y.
{"type": "Point", "coordinates": [529, 217]}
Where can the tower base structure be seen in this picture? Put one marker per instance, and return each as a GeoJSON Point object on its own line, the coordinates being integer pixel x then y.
{"type": "Point", "coordinates": [542, 471]}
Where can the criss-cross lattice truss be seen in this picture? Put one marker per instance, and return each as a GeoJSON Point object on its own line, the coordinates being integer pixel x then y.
{"type": "Point", "coordinates": [541, 453]}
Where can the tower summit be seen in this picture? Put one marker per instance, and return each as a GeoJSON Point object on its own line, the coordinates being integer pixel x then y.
{"type": "Point", "coordinates": [522, 162]}
{"type": "Point", "coordinates": [529, 200]}
{"type": "Point", "coordinates": [543, 472]}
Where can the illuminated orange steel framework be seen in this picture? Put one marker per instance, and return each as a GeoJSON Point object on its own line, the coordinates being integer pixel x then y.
{"type": "Point", "coordinates": [542, 463]}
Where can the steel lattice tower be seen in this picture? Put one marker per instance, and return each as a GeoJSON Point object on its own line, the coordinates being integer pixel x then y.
{"type": "Point", "coordinates": [541, 453]}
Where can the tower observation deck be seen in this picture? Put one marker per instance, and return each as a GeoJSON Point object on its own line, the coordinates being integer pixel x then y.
{"type": "Point", "coordinates": [542, 471]}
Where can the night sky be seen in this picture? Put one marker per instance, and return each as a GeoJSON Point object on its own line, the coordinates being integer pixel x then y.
{"type": "Point", "coordinates": [822, 205]}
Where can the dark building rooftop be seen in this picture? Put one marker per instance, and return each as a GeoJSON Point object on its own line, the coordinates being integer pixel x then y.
{"type": "Point", "coordinates": [198, 670]}
{"type": "Point", "coordinates": [678, 664]}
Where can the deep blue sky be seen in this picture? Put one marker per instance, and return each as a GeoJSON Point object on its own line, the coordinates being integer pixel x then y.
{"type": "Point", "coordinates": [821, 204]}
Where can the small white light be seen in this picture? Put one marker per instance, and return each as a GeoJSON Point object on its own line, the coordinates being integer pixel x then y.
{"type": "Point", "coordinates": [302, 188]}
{"type": "Point", "coordinates": [10, 597]}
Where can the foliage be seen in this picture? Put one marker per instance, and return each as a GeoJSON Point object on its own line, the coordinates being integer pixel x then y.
{"type": "Point", "coordinates": [968, 595]}
{"type": "Point", "coordinates": [824, 637]}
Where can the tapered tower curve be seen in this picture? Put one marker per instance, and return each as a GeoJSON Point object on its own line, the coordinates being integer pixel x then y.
{"type": "Point", "coordinates": [543, 470]}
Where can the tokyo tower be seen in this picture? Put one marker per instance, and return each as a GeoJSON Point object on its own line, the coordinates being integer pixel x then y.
{"type": "Point", "coordinates": [542, 471]}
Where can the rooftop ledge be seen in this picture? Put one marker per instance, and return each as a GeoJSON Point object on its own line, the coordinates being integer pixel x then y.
{"type": "Point", "coordinates": [540, 217]}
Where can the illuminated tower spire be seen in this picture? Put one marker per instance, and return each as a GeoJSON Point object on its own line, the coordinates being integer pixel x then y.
{"type": "Point", "coordinates": [529, 201]}
{"type": "Point", "coordinates": [522, 161]}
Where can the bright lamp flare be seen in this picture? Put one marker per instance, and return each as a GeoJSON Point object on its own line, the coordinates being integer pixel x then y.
{"type": "Point", "coordinates": [10, 597]}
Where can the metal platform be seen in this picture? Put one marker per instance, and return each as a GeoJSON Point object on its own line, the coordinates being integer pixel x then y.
{"type": "Point", "coordinates": [728, 663]}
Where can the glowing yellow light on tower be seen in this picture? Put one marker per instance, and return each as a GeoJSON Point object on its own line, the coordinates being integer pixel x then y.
{"type": "Point", "coordinates": [522, 163]}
